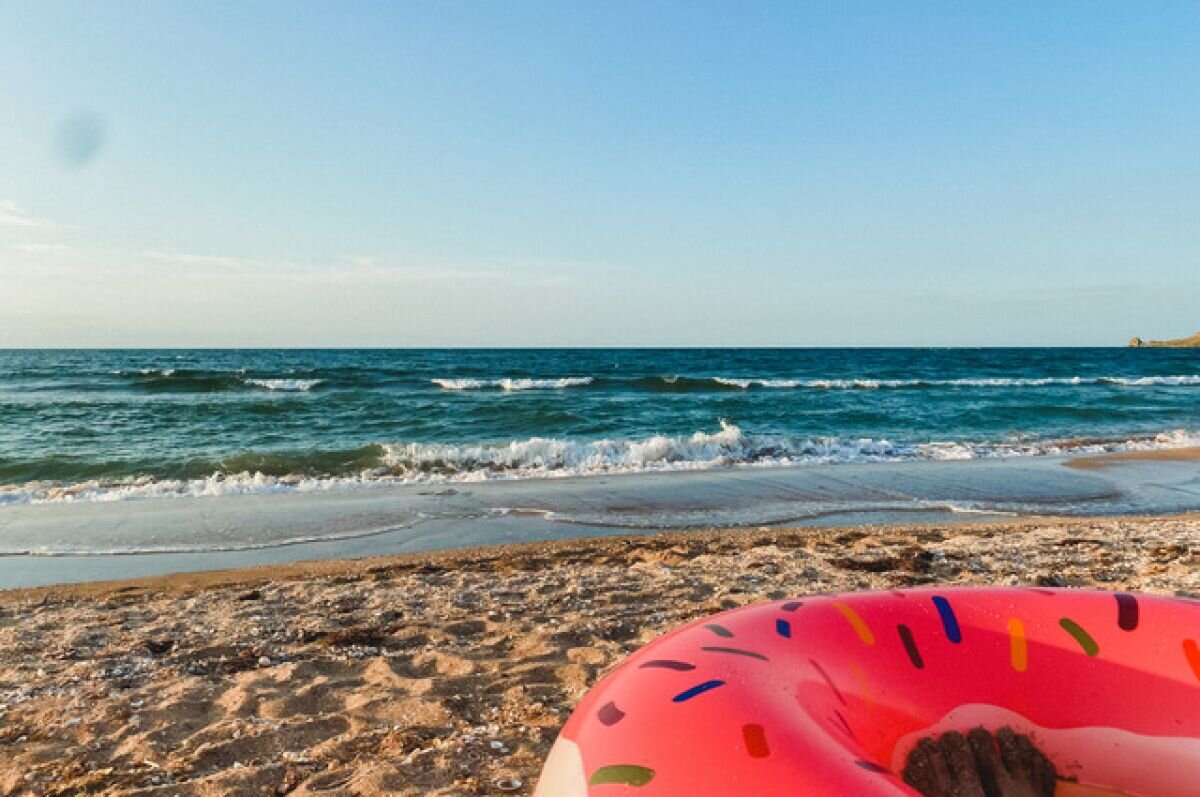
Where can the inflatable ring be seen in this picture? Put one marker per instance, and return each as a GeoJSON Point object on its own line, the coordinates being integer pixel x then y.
{"type": "Point", "coordinates": [826, 696]}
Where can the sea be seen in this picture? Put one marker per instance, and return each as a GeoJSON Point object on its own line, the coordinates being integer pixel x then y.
{"type": "Point", "coordinates": [92, 428]}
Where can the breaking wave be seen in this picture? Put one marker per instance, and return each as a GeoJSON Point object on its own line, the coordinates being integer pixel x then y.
{"type": "Point", "coordinates": [513, 384]}
{"type": "Point", "coordinates": [539, 457]}
{"type": "Point", "coordinates": [285, 384]}
{"type": "Point", "coordinates": [182, 380]}
{"type": "Point", "coordinates": [679, 383]}
{"type": "Point", "coordinates": [894, 384]}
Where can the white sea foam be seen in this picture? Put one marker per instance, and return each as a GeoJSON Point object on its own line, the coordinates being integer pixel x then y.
{"type": "Point", "coordinates": [745, 383]}
{"type": "Point", "coordinates": [513, 384]}
{"type": "Point", "coordinates": [877, 384]}
{"type": "Point", "coordinates": [418, 463]}
{"type": "Point", "coordinates": [145, 372]}
{"type": "Point", "coordinates": [285, 384]}
{"type": "Point", "coordinates": [244, 483]}
{"type": "Point", "coordinates": [1171, 381]}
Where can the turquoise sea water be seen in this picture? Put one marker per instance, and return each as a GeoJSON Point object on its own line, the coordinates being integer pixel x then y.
{"type": "Point", "coordinates": [86, 425]}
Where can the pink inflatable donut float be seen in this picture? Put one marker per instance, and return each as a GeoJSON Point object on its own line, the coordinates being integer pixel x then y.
{"type": "Point", "coordinates": [826, 696]}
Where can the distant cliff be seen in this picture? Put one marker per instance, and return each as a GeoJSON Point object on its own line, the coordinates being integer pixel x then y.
{"type": "Point", "coordinates": [1179, 343]}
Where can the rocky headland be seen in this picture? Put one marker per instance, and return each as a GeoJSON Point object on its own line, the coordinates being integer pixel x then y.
{"type": "Point", "coordinates": [1178, 343]}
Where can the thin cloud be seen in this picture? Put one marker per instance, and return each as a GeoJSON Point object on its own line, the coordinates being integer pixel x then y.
{"type": "Point", "coordinates": [358, 269]}
{"type": "Point", "coordinates": [377, 268]}
{"type": "Point", "coordinates": [13, 215]}
{"type": "Point", "coordinates": [221, 262]}
{"type": "Point", "coordinates": [44, 249]}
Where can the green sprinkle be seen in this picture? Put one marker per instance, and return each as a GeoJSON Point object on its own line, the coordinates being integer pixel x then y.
{"type": "Point", "coordinates": [1082, 637]}
{"type": "Point", "coordinates": [626, 774]}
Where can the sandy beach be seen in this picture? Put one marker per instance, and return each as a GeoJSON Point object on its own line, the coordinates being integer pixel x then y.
{"type": "Point", "coordinates": [450, 673]}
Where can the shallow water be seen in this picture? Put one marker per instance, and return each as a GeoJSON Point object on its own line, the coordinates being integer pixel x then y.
{"type": "Point", "coordinates": [85, 541]}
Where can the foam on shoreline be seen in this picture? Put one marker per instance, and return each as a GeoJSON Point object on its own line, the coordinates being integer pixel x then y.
{"type": "Point", "coordinates": [540, 458]}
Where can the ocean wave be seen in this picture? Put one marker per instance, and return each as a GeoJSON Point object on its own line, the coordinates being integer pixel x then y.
{"type": "Point", "coordinates": [182, 380]}
{"type": "Point", "coordinates": [678, 383]}
{"type": "Point", "coordinates": [744, 383]}
{"type": "Point", "coordinates": [537, 457]}
{"type": "Point", "coordinates": [1140, 381]}
{"type": "Point", "coordinates": [285, 384]}
{"type": "Point", "coordinates": [512, 384]}
{"type": "Point", "coordinates": [146, 372]}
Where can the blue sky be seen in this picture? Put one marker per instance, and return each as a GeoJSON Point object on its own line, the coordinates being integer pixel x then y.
{"type": "Point", "coordinates": [417, 174]}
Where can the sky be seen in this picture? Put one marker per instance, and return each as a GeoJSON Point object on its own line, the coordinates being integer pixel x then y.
{"type": "Point", "coordinates": [598, 173]}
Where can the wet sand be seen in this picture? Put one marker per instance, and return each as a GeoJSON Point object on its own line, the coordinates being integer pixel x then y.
{"type": "Point", "coordinates": [1187, 454]}
{"type": "Point", "coordinates": [450, 673]}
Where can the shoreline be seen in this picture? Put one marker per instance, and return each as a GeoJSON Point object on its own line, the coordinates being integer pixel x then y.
{"type": "Point", "coordinates": [1094, 461]}
{"type": "Point", "coordinates": [63, 543]}
{"type": "Point", "coordinates": [448, 673]}
{"type": "Point", "coordinates": [513, 555]}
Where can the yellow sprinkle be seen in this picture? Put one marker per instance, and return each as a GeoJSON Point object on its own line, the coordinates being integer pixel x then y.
{"type": "Point", "coordinates": [860, 627]}
{"type": "Point", "coordinates": [864, 686]}
{"type": "Point", "coordinates": [1020, 651]}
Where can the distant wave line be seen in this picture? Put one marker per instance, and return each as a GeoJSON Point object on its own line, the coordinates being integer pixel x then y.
{"type": "Point", "coordinates": [687, 383]}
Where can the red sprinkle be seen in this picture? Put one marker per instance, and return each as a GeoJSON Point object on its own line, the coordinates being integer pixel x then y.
{"type": "Point", "coordinates": [756, 741]}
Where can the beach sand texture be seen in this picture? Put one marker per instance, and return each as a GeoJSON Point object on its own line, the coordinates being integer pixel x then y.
{"type": "Point", "coordinates": [446, 674]}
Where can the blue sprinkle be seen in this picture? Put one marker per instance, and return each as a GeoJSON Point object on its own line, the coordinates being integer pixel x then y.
{"type": "Point", "coordinates": [949, 621]}
{"type": "Point", "coordinates": [783, 628]}
{"type": "Point", "coordinates": [699, 689]}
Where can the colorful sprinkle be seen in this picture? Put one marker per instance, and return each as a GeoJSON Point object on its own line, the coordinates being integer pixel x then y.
{"type": "Point", "coordinates": [792, 606]}
{"type": "Point", "coordinates": [609, 714]}
{"type": "Point", "coordinates": [756, 741]}
{"type": "Point", "coordinates": [719, 630]}
{"type": "Point", "coordinates": [1082, 637]}
{"type": "Point", "coordinates": [873, 767]}
{"type": "Point", "coordinates": [845, 725]}
{"type": "Point", "coordinates": [783, 628]}
{"type": "Point", "coordinates": [910, 645]}
{"type": "Point", "coordinates": [1019, 650]}
{"type": "Point", "coordinates": [864, 685]}
{"type": "Point", "coordinates": [623, 774]}
{"type": "Point", "coordinates": [859, 625]}
{"type": "Point", "coordinates": [949, 620]}
{"type": "Point", "coordinates": [1127, 611]}
{"type": "Point", "coordinates": [1192, 652]}
{"type": "Point", "coordinates": [667, 664]}
{"type": "Point", "coordinates": [736, 652]}
{"type": "Point", "coordinates": [828, 680]}
{"type": "Point", "coordinates": [698, 689]}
